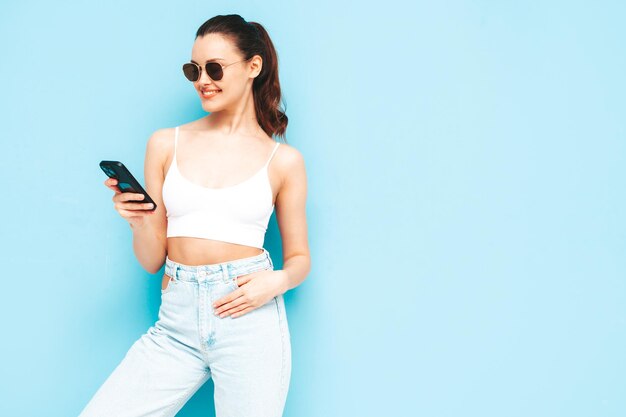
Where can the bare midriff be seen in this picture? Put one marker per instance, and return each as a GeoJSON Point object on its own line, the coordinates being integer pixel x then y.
{"type": "Point", "coordinates": [197, 251]}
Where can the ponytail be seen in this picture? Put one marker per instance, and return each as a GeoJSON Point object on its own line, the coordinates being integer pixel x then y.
{"type": "Point", "coordinates": [266, 88]}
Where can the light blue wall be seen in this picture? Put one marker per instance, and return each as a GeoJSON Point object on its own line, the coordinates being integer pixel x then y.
{"type": "Point", "coordinates": [466, 164]}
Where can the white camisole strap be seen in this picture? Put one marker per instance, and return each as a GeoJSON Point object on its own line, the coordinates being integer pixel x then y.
{"type": "Point", "coordinates": [272, 155]}
{"type": "Point", "coordinates": [175, 142]}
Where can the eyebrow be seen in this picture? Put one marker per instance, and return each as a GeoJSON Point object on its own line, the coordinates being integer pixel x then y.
{"type": "Point", "coordinates": [209, 60]}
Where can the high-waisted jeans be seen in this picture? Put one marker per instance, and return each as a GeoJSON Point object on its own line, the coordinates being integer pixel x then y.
{"type": "Point", "coordinates": [248, 357]}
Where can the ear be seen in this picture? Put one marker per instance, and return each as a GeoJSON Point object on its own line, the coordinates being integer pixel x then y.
{"type": "Point", "coordinates": [256, 64]}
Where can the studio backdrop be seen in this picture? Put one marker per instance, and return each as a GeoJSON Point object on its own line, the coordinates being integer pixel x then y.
{"type": "Point", "coordinates": [465, 164]}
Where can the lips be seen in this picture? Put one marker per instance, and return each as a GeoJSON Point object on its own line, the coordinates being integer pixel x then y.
{"type": "Point", "coordinates": [210, 93]}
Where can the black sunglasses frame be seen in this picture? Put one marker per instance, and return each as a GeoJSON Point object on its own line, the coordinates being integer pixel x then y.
{"type": "Point", "coordinates": [192, 66]}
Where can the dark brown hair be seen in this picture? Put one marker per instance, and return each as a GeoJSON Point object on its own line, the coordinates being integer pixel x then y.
{"type": "Point", "coordinates": [252, 39]}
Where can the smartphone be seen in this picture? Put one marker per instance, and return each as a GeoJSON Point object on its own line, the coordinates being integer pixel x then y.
{"type": "Point", "coordinates": [126, 182]}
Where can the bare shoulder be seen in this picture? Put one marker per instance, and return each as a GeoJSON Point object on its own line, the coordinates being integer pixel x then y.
{"type": "Point", "coordinates": [162, 139]}
{"type": "Point", "coordinates": [161, 144]}
{"type": "Point", "coordinates": [159, 147]}
{"type": "Point", "coordinates": [290, 164]}
{"type": "Point", "coordinates": [289, 158]}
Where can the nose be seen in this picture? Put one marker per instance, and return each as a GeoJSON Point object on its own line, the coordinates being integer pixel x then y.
{"type": "Point", "coordinates": [204, 77]}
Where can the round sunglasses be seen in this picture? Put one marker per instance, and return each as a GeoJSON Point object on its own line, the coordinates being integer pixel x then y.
{"type": "Point", "coordinates": [214, 70]}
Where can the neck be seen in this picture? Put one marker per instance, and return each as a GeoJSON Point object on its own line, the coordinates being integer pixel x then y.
{"type": "Point", "coordinates": [240, 119]}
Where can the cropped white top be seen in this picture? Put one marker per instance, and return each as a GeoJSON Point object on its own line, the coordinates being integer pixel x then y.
{"type": "Point", "coordinates": [236, 214]}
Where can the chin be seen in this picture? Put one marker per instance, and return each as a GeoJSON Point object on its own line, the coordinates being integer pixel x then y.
{"type": "Point", "coordinates": [211, 107]}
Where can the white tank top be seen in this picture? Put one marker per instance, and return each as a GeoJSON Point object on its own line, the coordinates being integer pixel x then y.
{"type": "Point", "coordinates": [236, 214]}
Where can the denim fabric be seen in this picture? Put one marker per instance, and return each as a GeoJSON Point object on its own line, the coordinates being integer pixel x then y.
{"type": "Point", "coordinates": [248, 357]}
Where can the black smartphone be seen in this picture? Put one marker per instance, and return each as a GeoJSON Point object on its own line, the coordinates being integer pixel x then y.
{"type": "Point", "coordinates": [126, 182]}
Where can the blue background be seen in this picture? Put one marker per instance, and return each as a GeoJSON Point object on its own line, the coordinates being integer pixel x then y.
{"type": "Point", "coordinates": [466, 165]}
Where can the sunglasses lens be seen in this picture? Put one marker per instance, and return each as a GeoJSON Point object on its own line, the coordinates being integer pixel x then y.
{"type": "Point", "coordinates": [214, 70]}
{"type": "Point", "coordinates": [191, 72]}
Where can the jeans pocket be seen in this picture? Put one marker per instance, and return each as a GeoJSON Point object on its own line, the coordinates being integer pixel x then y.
{"type": "Point", "coordinates": [169, 283]}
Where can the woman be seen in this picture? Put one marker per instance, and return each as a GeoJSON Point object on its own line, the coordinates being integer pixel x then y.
{"type": "Point", "coordinates": [222, 314]}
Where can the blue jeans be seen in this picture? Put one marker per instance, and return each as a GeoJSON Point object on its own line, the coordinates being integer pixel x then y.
{"type": "Point", "coordinates": [248, 357]}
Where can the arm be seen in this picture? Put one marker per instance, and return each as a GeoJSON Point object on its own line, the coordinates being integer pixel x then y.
{"type": "Point", "coordinates": [149, 239]}
{"type": "Point", "coordinates": [291, 217]}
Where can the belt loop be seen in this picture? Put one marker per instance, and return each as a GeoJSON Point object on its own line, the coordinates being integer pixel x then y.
{"type": "Point", "coordinates": [200, 274]}
{"type": "Point", "coordinates": [225, 274]}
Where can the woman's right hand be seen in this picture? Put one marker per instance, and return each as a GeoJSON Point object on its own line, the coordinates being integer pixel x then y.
{"type": "Point", "coordinates": [127, 206]}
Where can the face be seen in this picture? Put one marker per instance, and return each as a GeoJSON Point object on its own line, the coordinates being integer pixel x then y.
{"type": "Point", "coordinates": [237, 79]}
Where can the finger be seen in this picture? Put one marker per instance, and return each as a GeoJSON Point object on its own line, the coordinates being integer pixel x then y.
{"type": "Point", "coordinates": [226, 308]}
{"type": "Point", "coordinates": [241, 280]}
{"type": "Point", "coordinates": [136, 206]}
{"type": "Point", "coordinates": [242, 312]}
{"type": "Point", "coordinates": [142, 206]}
{"type": "Point", "coordinates": [111, 186]}
{"type": "Point", "coordinates": [130, 214]}
{"type": "Point", "coordinates": [227, 298]}
{"type": "Point", "coordinates": [245, 278]}
{"type": "Point", "coordinates": [235, 309]}
{"type": "Point", "coordinates": [132, 196]}
{"type": "Point", "coordinates": [127, 197]}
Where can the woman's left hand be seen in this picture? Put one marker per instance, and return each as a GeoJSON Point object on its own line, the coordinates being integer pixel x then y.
{"type": "Point", "coordinates": [254, 290]}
